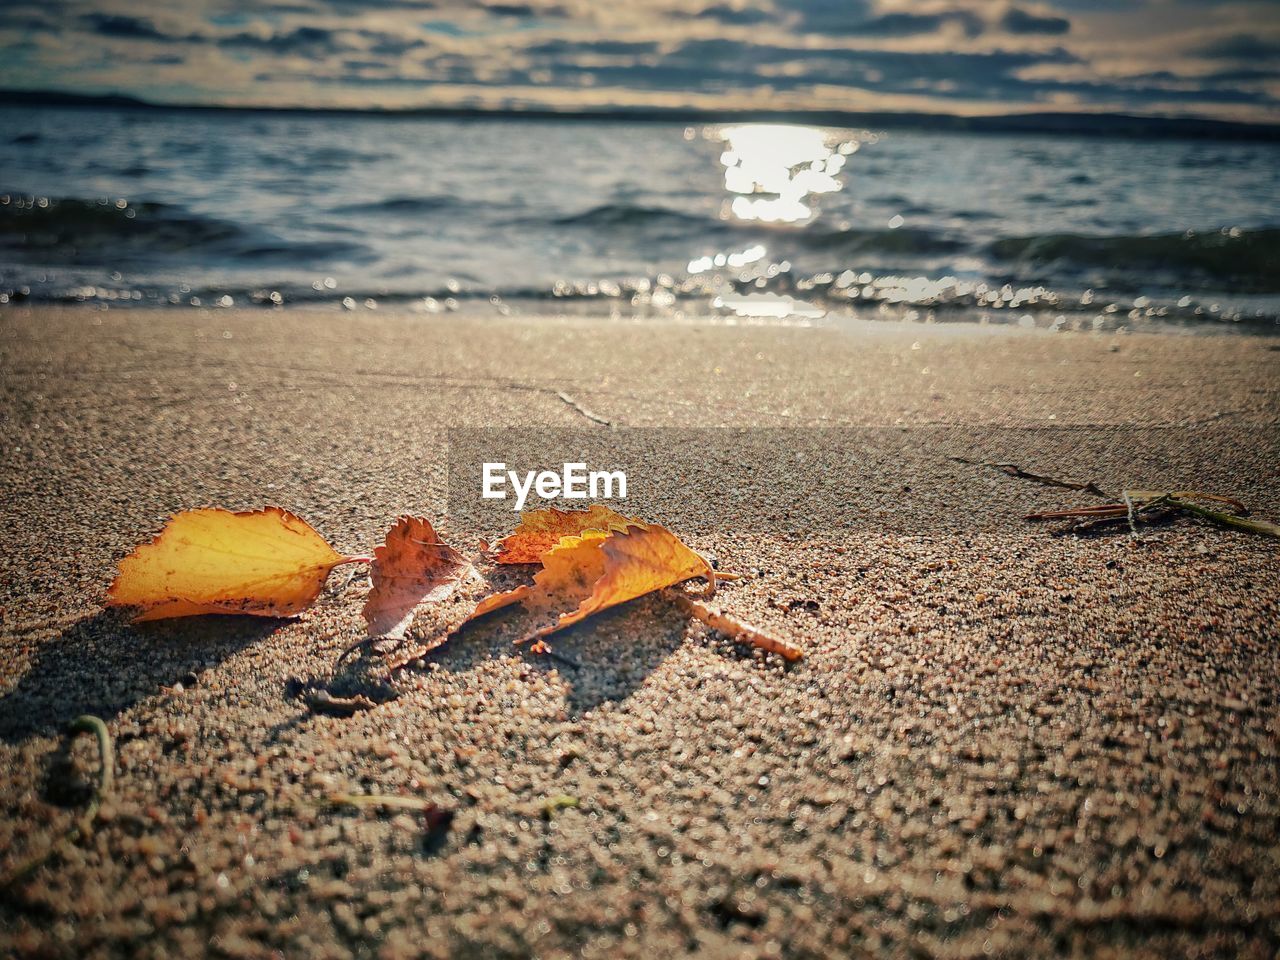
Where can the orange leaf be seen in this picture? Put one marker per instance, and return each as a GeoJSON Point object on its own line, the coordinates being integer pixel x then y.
{"type": "Point", "coordinates": [540, 530]}
{"type": "Point", "coordinates": [582, 575]}
{"type": "Point", "coordinates": [414, 566]}
{"type": "Point", "coordinates": [636, 560]}
{"type": "Point", "coordinates": [268, 563]}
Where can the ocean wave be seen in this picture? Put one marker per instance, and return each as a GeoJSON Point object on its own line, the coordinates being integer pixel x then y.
{"type": "Point", "coordinates": [802, 236]}
{"type": "Point", "coordinates": [78, 231]}
{"type": "Point", "coordinates": [399, 205]}
{"type": "Point", "coordinates": [1244, 260]}
{"type": "Point", "coordinates": [629, 215]}
{"type": "Point", "coordinates": [818, 298]}
{"type": "Point", "coordinates": [903, 240]}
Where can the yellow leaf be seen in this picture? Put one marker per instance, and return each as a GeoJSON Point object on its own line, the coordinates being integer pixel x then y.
{"type": "Point", "coordinates": [540, 530]}
{"type": "Point", "coordinates": [268, 563]}
{"type": "Point", "coordinates": [414, 566]}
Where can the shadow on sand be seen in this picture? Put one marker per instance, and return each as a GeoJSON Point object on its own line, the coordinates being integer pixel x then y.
{"type": "Point", "coordinates": [604, 660]}
{"type": "Point", "coordinates": [103, 664]}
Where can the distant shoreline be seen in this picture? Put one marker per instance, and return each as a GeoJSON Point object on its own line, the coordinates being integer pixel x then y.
{"type": "Point", "coordinates": [1073, 124]}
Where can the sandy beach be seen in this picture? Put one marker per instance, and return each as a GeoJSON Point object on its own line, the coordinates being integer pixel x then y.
{"type": "Point", "coordinates": [1000, 741]}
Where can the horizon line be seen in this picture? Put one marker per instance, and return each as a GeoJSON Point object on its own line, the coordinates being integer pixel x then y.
{"type": "Point", "coordinates": [1099, 124]}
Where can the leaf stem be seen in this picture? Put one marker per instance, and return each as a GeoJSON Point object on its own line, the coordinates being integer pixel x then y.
{"type": "Point", "coordinates": [732, 627]}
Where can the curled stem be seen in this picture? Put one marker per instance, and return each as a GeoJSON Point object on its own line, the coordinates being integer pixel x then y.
{"type": "Point", "coordinates": [83, 826]}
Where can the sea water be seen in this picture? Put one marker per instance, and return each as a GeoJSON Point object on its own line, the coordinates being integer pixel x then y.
{"type": "Point", "coordinates": [762, 222]}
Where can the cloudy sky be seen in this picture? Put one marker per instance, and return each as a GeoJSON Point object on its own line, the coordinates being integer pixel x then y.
{"type": "Point", "coordinates": [1217, 58]}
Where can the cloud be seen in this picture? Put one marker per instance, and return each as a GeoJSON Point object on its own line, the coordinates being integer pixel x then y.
{"type": "Point", "coordinates": [1240, 46]}
{"type": "Point", "coordinates": [298, 40]}
{"type": "Point", "coordinates": [723, 64]}
{"type": "Point", "coordinates": [906, 24]}
{"type": "Point", "coordinates": [736, 16]}
{"type": "Point", "coordinates": [1017, 20]}
{"type": "Point", "coordinates": [565, 50]}
{"type": "Point", "coordinates": [513, 10]}
{"type": "Point", "coordinates": [1192, 56]}
{"type": "Point", "coordinates": [118, 25]}
{"type": "Point", "coordinates": [829, 16]}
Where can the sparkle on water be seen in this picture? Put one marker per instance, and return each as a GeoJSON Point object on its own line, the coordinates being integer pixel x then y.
{"type": "Point", "coordinates": [775, 170]}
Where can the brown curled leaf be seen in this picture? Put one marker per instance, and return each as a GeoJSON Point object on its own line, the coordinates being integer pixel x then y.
{"type": "Point", "coordinates": [414, 566]}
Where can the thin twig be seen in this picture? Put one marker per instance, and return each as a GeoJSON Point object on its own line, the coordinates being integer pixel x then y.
{"type": "Point", "coordinates": [1013, 470]}
{"type": "Point", "coordinates": [1107, 511]}
{"type": "Point", "coordinates": [83, 827]}
{"type": "Point", "coordinates": [1129, 512]}
{"type": "Point", "coordinates": [1155, 504]}
{"type": "Point", "coordinates": [582, 410]}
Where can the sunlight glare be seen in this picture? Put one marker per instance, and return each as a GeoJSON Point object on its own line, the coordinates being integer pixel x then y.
{"type": "Point", "coordinates": [775, 170]}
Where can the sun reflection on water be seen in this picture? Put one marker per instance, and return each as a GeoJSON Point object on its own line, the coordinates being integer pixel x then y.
{"type": "Point", "coordinates": [776, 169]}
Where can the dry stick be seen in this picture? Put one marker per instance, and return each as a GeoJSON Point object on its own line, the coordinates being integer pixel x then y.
{"type": "Point", "coordinates": [1135, 503]}
{"type": "Point", "coordinates": [1139, 502]}
{"type": "Point", "coordinates": [1013, 470]}
{"type": "Point", "coordinates": [1129, 513]}
{"type": "Point", "coordinates": [1153, 495]}
{"type": "Point", "coordinates": [1090, 522]}
{"type": "Point", "coordinates": [84, 826]}
{"type": "Point", "coordinates": [581, 409]}
{"type": "Point", "coordinates": [735, 629]}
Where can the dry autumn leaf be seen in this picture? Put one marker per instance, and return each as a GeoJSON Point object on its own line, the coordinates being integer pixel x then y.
{"type": "Point", "coordinates": [573, 560]}
{"type": "Point", "coordinates": [540, 530]}
{"type": "Point", "coordinates": [637, 560]}
{"type": "Point", "coordinates": [268, 563]}
{"type": "Point", "coordinates": [603, 559]}
{"type": "Point", "coordinates": [414, 566]}
{"type": "Point", "coordinates": [582, 575]}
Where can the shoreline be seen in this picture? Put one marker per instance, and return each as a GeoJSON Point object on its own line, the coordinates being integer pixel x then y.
{"type": "Point", "coordinates": [998, 738]}
{"type": "Point", "coordinates": [479, 308]}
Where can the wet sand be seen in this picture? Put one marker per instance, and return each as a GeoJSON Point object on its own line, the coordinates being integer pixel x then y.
{"type": "Point", "coordinates": [1000, 742]}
